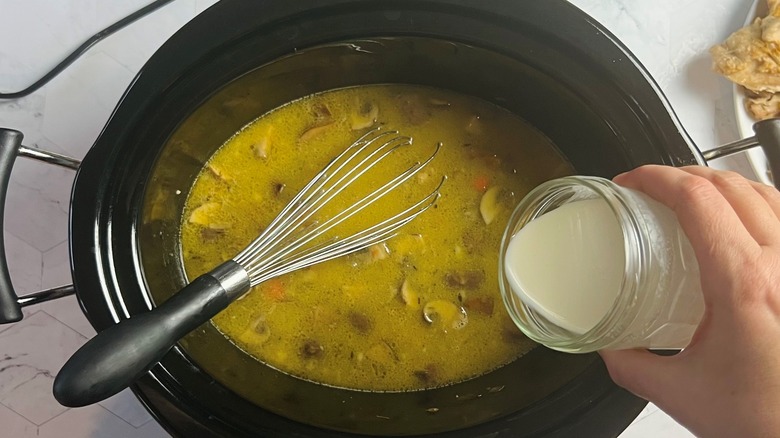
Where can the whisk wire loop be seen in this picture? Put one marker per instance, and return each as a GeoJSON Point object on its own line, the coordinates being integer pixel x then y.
{"type": "Point", "coordinates": [318, 193]}
{"type": "Point", "coordinates": [286, 244]}
{"type": "Point", "coordinates": [330, 189]}
{"type": "Point", "coordinates": [335, 248]}
{"type": "Point", "coordinates": [292, 244]}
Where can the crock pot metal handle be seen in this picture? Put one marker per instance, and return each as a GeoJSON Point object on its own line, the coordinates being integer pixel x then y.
{"type": "Point", "coordinates": [10, 141]}
{"type": "Point", "coordinates": [767, 136]}
{"type": "Point", "coordinates": [11, 147]}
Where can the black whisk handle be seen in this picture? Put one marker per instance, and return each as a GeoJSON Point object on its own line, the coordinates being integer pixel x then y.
{"type": "Point", "coordinates": [117, 356]}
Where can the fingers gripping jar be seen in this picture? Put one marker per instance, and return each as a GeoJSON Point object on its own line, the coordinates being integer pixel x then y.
{"type": "Point", "coordinates": [586, 264]}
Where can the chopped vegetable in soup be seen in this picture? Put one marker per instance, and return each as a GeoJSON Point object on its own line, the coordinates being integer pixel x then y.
{"type": "Point", "coordinates": [418, 311]}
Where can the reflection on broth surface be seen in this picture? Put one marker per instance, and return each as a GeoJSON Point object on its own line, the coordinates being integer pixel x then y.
{"type": "Point", "coordinates": [423, 309]}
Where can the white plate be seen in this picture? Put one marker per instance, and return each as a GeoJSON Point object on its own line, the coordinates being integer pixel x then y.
{"type": "Point", "coordinates": [755, 156]}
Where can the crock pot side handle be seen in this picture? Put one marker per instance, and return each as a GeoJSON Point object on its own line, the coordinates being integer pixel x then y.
{"type": "Point", "coordinates": [768, 135]}
{"type": "Point", "coordinates": [10, 141]}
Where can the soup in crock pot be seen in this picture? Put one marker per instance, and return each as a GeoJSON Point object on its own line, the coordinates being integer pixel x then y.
{"type": "Point", "coordinates": [419, 311]}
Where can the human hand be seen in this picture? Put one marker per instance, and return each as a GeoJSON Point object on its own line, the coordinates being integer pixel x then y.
{"type": "Point", "coordinates": [726, 383]}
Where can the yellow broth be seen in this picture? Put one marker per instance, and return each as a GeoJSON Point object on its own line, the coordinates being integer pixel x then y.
{"type": "Point", "coordinates": [423, 309]}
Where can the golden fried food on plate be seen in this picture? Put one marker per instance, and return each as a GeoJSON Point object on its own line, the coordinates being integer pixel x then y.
{"type": "Point", "coordinates": [750, 57]}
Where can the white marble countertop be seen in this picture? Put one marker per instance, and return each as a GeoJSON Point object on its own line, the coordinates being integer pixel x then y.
{"type": "Point", "coordinates": [670, 37]}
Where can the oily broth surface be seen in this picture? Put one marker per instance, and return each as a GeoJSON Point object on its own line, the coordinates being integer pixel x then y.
{"type": "Point", "coordinates": [357, 321]}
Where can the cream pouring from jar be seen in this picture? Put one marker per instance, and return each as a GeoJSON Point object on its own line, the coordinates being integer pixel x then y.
{"type": "Point", "coordinates": [586, 264]}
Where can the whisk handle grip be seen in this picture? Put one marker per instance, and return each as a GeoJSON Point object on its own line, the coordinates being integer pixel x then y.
{"type": "Point", "coordinates": [117, 356]}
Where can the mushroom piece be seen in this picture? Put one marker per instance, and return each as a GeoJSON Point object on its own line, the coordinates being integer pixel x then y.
{"type": "Point", "coordinates": [483, 305]}
{"type": "Point", "coordinates": [470, 280]}
{"type": "Point", "coordinates": [212, 232]}
{"type": "Point", "coordinates": [489, 207]}
{"type": "Point", "coordinates": [218, 173]}
{"type": "Point", "coordinates": [261, 148]}
{"type": "Point", "coordinates": [372, 254]}
{"type": "Point", "coordinates": [378, 251]}
{"type": "Point", "coordinates": [323, 120]}
{"type": "Point", "coordinates": [258, 332]}
{"type": "Point", "coordinates": [405, 244]}
{"type": "Point", "coordinates": [408, 295]}
{"type": "Point", "coordinates": [366, 116]}
{"type": "Point", "coordinates": [429, 374]}
{"type": "Point", "coordinates": [447, 313]}
{"type": "Point", "coordinates": [279, 188]}
{"type": "Point", "coordinates": [360, 322]}
{"type": "Point", "coordinates": [311, 348]}
{"type": "Point", "coordinates": [321, 113]}
{"type": "Point", "coordinates": [203, 214]}
{"type": "Point", "coordinates": [314, 131]}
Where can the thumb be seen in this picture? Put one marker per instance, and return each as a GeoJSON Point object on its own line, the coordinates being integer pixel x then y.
{"type": "Point", "coordinates": [643, 373]}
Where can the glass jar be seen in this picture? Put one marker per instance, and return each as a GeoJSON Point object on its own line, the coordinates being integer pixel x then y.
{"type": "Point", "coordinates": [659, 302]}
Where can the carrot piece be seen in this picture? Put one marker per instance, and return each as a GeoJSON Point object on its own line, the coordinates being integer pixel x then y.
{"type": "Point", "coordinates": [481, 183]}
{"type": "Point", "coordinates": [274, 289]}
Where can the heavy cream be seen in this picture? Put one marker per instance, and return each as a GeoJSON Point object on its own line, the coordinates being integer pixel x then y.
{"type": "Point", "coordinates": [568, 264]}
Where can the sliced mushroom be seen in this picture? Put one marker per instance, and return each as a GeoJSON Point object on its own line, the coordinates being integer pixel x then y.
{"type": "Point", "coordinates": [361, 322]}
{"type": "Point", "coordinates": [372, 254]}
{"type": "Point", "coordinates": [258, 332]}
{"type": "Point", "coordinates": [212, 233]}
{"type": "Point", "coordinates": [203, 215]}
{"type": "Point", "coordinates": [427, 375]}
{"type": "Point", "coordinates": [470, 280]}
{"type": "Point", "coordinates": [366, 116]}
{"type": "Point", "coordinates": [482, 305]}
{"type": "Point", "coordinates": [323, 120]}
{"type": "Point", "coordinates": [489, 205]}
{"type": "Point", "coordinates": [446, 313]}
{"type": "Point", "coordinates": [408, 295]}
{"type": "Point", "coordinates": [378, 251]}
{"type": "Point", "coordinates": [311, 348]}
{"type": "Point", "coordinates": [218, 173]}
{"type": "Point", "coordinates": [407, 243]}
{"type": "Point", "coordinates": [315, 131]}
{"type": "Point", "coordinates": [261, 148]}
{"type": "Point", "coordinates": [321, 112]}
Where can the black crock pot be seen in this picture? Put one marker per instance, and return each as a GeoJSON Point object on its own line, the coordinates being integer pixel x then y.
{"type": "Point", "coordinates": [546, 61]}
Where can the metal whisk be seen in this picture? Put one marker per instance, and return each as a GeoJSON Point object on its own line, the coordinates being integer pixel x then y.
{"type": "Point", "coordinates": [117, 356]}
